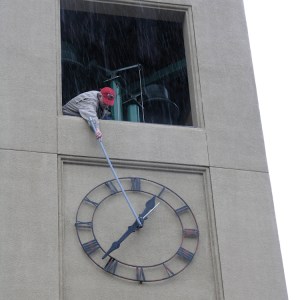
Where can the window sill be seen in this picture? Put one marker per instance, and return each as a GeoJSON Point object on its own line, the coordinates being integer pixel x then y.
{"type": "Point", "coordinates": [134, 141]}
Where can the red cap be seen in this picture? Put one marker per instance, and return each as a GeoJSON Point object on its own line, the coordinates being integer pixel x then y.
{"type": "Point", "coordinates": [108, 95]}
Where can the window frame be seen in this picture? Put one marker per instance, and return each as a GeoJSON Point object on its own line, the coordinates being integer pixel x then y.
{"type": "Point", "coordinates": [150, 10]}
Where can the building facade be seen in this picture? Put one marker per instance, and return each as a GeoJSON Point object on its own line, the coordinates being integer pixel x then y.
{"type": "Point", "coordinates": [185, 131]}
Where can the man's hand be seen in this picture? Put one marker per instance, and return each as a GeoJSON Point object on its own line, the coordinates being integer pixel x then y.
{"type": "Point", "coordinates": [98, 133]}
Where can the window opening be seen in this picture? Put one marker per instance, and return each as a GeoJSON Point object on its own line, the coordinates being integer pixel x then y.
{"type": "Point", "coordinates": [142, 59]}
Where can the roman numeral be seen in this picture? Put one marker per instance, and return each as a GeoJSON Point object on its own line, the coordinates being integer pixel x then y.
{"type": "Point", "coordinates": [185, 254]}
{"type": "Point", "coordinates": [88, 201]}
{"type": "Point", "coordinates": [135, 184]}
{"type": "Point", "coordinates": [91, 246]}
{"type": "Point", "coordinates": [111, 187]}
{"type": "Point", "coordinates": [111, 266]}
{"type": "Point", "coordinates": [83, 225]}
{"type": "Point", "coordinates": [162, 190]}
{"type": "Point", "coordinates": [169, 271]}
{"type": "Point", "coordinates": [190, 233]}
{"type": "Point", "coordinates": [140, 276]}
{"type": "Point", "coordinates": [181, 210]}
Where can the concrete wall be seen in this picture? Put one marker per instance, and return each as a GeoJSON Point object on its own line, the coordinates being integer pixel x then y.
{"type": "Point", "coordinates": [43, 152]}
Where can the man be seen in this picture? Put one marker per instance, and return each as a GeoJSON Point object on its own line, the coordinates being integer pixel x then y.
{"type": "Point", "coordinates": [90, 103]}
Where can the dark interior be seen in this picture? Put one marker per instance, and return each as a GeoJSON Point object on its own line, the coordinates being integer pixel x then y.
{"type": "Point", "coordinates": [141, 56]}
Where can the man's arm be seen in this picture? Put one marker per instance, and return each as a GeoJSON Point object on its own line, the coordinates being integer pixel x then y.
{"type": "Point", "coordinates": [88, 109]}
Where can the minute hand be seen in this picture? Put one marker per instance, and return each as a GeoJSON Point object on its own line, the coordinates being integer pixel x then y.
{"type": "Point", "coordinates": [115, 245]}
{"type": "Point", "coordinates": [150, 205]}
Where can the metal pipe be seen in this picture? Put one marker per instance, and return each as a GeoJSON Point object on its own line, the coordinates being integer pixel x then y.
{"type": "Point", "coordinates": [115, 174]}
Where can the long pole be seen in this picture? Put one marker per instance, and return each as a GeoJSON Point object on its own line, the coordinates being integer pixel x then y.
{"type": "Point", "coordinates": [92, 122]}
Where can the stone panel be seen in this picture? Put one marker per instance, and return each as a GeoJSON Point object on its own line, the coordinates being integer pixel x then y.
{"type": "Point", "coordinates": [247, 233]}
{"type": "Point", "coordinates": [28, 75]}
{"type": "Point", "coordinates": [83, 279]}
{"type": "Point", "coordinates": [230, 105]}
{"type": "Point", "coordinates": [29, 226]}
{"type": "Point", "coordinates": [234, 133]}
{"type": "Point", "coordinates": [125, 140]}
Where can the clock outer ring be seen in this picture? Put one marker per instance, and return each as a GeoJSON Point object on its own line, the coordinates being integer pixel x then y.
{"type": "Point", "coordinates": [142, 266]}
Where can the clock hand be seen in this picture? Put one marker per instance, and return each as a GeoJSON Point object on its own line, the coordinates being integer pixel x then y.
{"type": "Point", "coordinates": [115, 245]}
{"type": "Point", "coordinates": [150, 206]}
{"type": "Point", "coordinates": [92, 123]}
{"type": "Point", "coordinates": [150, 211]}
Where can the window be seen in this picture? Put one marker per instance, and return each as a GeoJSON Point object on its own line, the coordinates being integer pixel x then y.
{"type": "Point", "coordinates": [138, 51]}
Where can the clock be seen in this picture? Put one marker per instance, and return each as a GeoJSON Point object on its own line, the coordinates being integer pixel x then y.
{"type": "Point", "coordinates": [157, 242]}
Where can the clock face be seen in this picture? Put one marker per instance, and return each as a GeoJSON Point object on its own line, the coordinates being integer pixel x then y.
{"type": "Point", "coordinates": [111, 237]}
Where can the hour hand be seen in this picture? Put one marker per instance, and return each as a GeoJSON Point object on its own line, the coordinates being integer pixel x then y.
{"type": "Point", "coordinates": [115, 245]}
{"type": "Point", "coordinates": [150, 204]}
